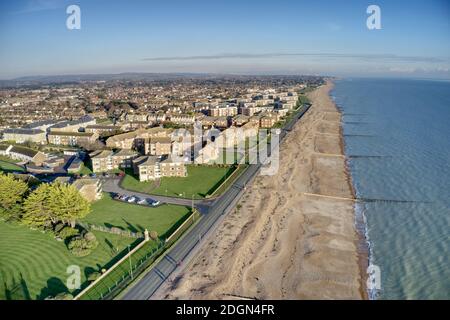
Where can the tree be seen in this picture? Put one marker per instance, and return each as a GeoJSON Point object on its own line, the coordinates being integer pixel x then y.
{"type": "Point", "coordinates": [68, 232]}
{"type": "Point", "coordinates": [93, 276]}
{"type": "Point", "coordinates": [12, 192]}
{"type": "Point", "coordinates": [36, 211]}
{"type": "Point", "coordinates": [153, 235]}
{"type": "Point", "coordinates": [67, 204]}
{"type": "Point", "coordinates": [81, 246]}
{"type": "Point", "coordinates": [61, 296]}
{"type": "Point", "coordinates": [53, 203]}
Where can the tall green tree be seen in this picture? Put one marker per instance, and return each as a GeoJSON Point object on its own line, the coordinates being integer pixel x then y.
{"type": "Point", "coordinates": [66, 204]}
{"type": "Point", "coordinates": [36, 211]}
{"type": "Point", "coordinates": [12, 193]}
{"type": "Point", "coordinates": [53, 203]}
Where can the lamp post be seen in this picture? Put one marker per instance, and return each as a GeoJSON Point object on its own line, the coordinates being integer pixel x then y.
{"type": "Point", "coordinates": [192, 206]}
{"type": "Point", "coordinates": [129, 258]}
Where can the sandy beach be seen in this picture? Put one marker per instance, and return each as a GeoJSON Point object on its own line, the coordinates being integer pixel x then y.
{"type": "Point", "coordinates": [292, 235]}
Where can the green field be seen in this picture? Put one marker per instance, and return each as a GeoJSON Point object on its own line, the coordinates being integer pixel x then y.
{"type": "Point", "coordinates": [143, 257]}
{"type": "Point", "coordinates": [85, 170]}
{"type": "Point", "coordinates": [9, 167]}
{"type": "Point", "coordinates": [136, 218]}
{"type": "Point", "coordinates": [33, 264]}
{"type": "Point", "coordinates": [200, 182]}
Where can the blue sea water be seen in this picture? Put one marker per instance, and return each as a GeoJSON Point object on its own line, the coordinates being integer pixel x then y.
{"type": "Point", "coordinates": [397, 135]}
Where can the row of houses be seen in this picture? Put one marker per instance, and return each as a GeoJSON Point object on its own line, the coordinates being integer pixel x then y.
{"type": "Point", "coordinates": [23, 154]}
{"type": "Point", "coordinates": [60, 133]}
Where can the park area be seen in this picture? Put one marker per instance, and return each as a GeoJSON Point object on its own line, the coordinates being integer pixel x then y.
{"type": "Point", "coordinates": [33, 264]}
{"type": "Point", "coordinates": [200, 182]}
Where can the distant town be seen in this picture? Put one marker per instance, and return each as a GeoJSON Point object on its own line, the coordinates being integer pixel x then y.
{"type": "Point", "coordinates": [116, 171]}
{"type": "Point", "coordinates": [111, 125]}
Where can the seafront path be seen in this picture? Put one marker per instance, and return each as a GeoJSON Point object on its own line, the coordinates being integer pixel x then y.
{"type": "Point", "coordinates": [213, 211]}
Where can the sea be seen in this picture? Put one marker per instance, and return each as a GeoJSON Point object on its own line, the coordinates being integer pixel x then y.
{"type": "Point", "coordinates": [397, 140]}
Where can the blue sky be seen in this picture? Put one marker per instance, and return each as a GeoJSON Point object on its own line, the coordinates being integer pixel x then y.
{"type": "Point", "coordinates": [258, 37]}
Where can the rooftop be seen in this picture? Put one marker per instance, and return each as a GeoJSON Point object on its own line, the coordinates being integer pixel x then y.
{"type": "Point", "coordinates": [23, 131]}
{"type": "Point", "coordinates": [25, 151]}
{"type": "Point", "coordinates": [70, 134]}
{"type": "Point", "coordinates": [103, 154]}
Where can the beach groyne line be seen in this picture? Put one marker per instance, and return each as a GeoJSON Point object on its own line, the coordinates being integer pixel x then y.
{"type": "Point", "coordinates": [328, 196]}
{"type": "Point", "coordinates": [332, 155]}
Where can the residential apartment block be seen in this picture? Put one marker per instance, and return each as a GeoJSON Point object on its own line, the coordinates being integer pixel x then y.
{"type": "Point", "coordinates": [136, 139]}
{"type": "Point", "coordinates": [71, 138]}
{"type": "Point", "coordinates": [158, 146]}
{"type": "Point", "coordinates": [21, 135]}
{"type": "Point", "coordinates": [74, 125]}
{"type": "Point", "coordinates": [107, 160]}
{"type": "Point", "coordinates": [156, 167]}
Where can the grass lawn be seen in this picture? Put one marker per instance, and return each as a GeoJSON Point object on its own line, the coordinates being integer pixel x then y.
{"type": "Point", "coordinates": [111, 213]}
{"type": "Point", "coordinates": [85, 170]}
{"type": "Point", "coordinates": [121, 270]}
{"type": "Point", "coordinates": [10, 167]}
{"type": "Point", "coordinates": [33, 264]}
{"type": "Point", "coordinates": [8, 159]}
{"type": "Point", "coordinates": [200, 182]}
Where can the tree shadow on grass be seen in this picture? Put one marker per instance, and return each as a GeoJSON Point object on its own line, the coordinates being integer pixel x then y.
{"type": "Point", "coordinates": [89, 270]}
{"type": "Point", "coordinates": [18, 291]}
{"type": "Point", "coordinates": [131, 227]}
{"type": "Point", "coordinates": [109, 226]}
{"type": "Point", "coordinates": [54, 286]}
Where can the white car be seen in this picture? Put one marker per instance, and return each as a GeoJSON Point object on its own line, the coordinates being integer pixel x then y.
{"type": "Point", "coordinates": [155, 203]}
{"type": "Point", "coordinates": [131, 199]}
{"type": "Point", "coordinates": [142, 201]}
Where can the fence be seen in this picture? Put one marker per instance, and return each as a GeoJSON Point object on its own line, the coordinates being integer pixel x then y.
{"type": "Point", "coordinates": [123, 272]}
{"type": "Point", "coordinates": [113, 230]}
{"type": "Point", "coordinates": [119, 276]}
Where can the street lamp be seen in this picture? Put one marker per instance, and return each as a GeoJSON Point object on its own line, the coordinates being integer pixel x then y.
{"type": "Point", "coordinates": [129, 258]}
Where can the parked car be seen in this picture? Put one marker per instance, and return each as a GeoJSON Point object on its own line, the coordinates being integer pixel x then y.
{"type": "Point", "coordinates": [131, 199]}
{"type": "Point", "coordinates": [123, 197]}
{"type": "Point", "coordinates": [154, 203]}
{"type": "Point", "coordinates": [142, 201]}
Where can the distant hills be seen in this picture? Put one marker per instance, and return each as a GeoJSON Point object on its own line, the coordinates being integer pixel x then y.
{"type": "Point", "coordinates": [37, 81]}
{"type": "Point", "coordinates": [77, 78]}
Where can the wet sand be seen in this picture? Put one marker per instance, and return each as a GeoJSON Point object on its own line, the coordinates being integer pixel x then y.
{"type": "Point", "coordinates": [292, 235]}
